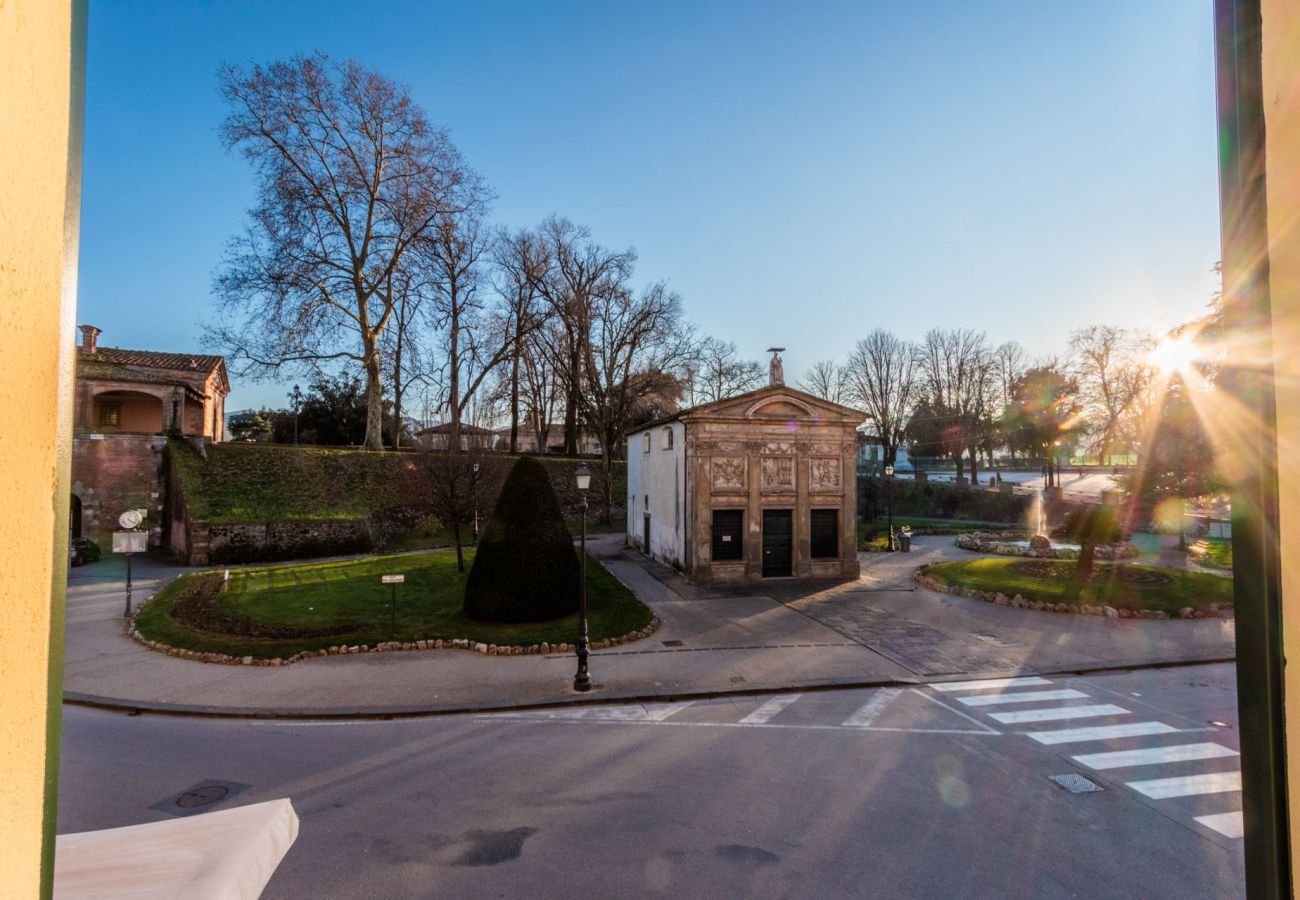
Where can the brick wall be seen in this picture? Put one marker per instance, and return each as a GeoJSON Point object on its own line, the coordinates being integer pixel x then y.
{"type": "Point", "coordinates": [112, 473]}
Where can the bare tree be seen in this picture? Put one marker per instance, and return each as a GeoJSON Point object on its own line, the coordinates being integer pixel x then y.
{"type": "Point", "coordinates": [716, 372]}
{"type": "Point", "coordinates": [882, 377]}
{"type": "Point", "coordinates": [402, 345]}
{"type": "Point", "coordinates": [826, 380]}
{"type": "Point", "coordinates": [351, 175]}
{"type": "Point", "coordinates": [1011, 363]}
{"type": "Point", "coordinates": [958, 369]}
{"type": "Point", "coordinates": [635, 342]}
{"type": "Point", "coordinates": [541, 387]}
{"type": "Point", "coordinates": [1108, 362]}
{"type": "Point", "coordinates": [521, 261]}
{"type": "Point", "coordinates": [580, 271]}
{"type": "Point", "coordinates": [472, 339]}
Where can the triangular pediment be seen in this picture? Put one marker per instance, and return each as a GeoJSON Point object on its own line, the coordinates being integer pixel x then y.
{"type": "Point", "coordinates": [775, 402]}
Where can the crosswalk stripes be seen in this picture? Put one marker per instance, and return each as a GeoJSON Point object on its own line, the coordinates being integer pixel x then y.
{"type": "Point", "coordinates": [1188, 785]}
{"type": "Point", "coordinates": [1023, 697]}
{"type": "Point", "coordinates": [1100, 733]}
{"type": "Point", "coordinates": [768, 710]}
{"type": "Point", "coordinates": [998, 692]}
{"type": "Point", "coordinates": [1229, 824]}
{"type": "Point", "coordinates": [1149, 756]}
{"type": "Point", "coordinates": [868, 713]}
{"type": "Point", "coordinates": [1059, 713]}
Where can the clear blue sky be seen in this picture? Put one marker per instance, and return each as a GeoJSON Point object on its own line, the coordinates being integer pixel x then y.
{"type": "Point", "coordinates": [801, 172]}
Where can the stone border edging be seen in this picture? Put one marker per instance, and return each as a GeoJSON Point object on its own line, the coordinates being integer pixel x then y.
{"type": "Point", "coordinates": [1213, 611]}
{"type": "Point", "coordinates": [390, 647]}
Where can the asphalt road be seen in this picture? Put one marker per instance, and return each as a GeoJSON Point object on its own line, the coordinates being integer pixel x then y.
{"type": "Point", "coordinates": [887, 793]}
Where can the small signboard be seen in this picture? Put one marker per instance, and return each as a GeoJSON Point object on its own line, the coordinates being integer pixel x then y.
{"type": "Point", "coordinates": [392, 579]}
{"type": "Point", "coordinates": [130, 541]}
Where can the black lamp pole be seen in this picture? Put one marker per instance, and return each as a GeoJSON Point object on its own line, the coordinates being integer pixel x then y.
{"type": "Point", "coordinates": [474, 471]}
{"type": "Point", "coordinates": [889, 498]}
{"type": "Point", "coordinates": [582, 680]}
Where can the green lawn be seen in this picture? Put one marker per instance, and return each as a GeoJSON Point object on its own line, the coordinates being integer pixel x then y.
{"type": "Point", "coordinates": [349, 595]}
{"type": "Point", "coordinates": [1213, 553]}
{"type": "Point", "coordinates": [1178, 588]}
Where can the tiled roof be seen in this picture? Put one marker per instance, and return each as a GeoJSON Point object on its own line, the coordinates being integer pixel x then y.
{"type": "Point", "coordinates": [185, 362]}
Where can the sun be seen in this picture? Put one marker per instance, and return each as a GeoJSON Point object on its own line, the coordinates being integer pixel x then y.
{"type": "Point", "coordinates": [1175, 354]}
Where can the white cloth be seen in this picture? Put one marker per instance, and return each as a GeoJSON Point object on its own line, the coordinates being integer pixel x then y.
{"type": "Point", "coordinates": [227, 854]}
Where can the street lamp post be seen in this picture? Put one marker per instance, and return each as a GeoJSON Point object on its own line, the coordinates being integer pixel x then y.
{"type": "Point", "coordinates": [297, 408]}
{"type": "Point", "coordinates": [582, 680]}
{"type": "Point", "coordinates": [889, 500]}
{"type": "Point", "coordinates": [474, 478]}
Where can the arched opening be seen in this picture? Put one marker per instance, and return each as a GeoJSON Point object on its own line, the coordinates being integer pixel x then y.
{"type": "Point", "coordinates": [127, 411]}
{"type": "Point", "coordinates": [74, 518]}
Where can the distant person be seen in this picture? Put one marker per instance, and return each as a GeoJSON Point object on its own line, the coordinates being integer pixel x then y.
{"type": "Point", "coordinates": [1080, 472]}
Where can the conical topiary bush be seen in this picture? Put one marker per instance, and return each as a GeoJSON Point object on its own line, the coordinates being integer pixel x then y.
{"type": "Point", "coordinates": [525, 569]}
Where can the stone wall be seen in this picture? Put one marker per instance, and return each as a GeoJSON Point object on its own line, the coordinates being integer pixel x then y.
{"type": "Point", "coordinates": [248, 542]}
{"type": "Point", "coordinates": [112, 473]}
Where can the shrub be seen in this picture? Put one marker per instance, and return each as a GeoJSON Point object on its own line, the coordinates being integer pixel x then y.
{"type": "Point", "coordinates": [525, 569]}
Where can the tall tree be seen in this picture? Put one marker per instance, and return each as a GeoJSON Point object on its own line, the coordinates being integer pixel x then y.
{"type": "Point", "coordinates": [579, 274]}
{"type": "Point", "coordinates": [826, 380]}
{"type": "Point", "coordinates": [1112, 373]}
{"type": "Point", "coordinates": [958, 370]}
{"type": "Point", "coordinates": [717, 371]}
{"type": "Point", "coordinates": [521, 263]}
{"type": "Point", "coordinates": [350, 176]}
{"type": "Point", "coordinates": [472, 341]}
{"type": "Point", "coordinates": [1044, 412]}
{"type": "Point", "coordinates": [883, 381]}
{"type": "Point", "coordinates": [634, 344]}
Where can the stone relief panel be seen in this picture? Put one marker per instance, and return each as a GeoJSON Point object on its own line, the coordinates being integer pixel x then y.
{"type": "Point", "coordinates": [778, 473]}
{"type": "Point", "coordinates": [728, 473]}
{"type": "Point", "coordinates": [824, 473]}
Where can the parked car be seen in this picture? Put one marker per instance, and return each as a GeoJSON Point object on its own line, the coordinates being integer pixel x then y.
{"type": "Point", "coordinates": [82, 551]}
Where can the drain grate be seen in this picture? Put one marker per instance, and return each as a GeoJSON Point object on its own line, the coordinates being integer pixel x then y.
{"type": "Point", "coordinates": [671, 643]}
{"type": "Point", "coordinates": [1076, 784]}
{"type": "Point", "coordinates": [199, 798]}
{"type": "Point", "coordinates": [202, 796]}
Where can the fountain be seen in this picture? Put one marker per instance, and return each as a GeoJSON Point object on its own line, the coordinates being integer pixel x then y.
{"type": "Point", "coordinates": [1036, 520]}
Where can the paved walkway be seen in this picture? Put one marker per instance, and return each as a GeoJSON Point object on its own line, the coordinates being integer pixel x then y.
{"type": "Point", "coordinates": [880, 629]}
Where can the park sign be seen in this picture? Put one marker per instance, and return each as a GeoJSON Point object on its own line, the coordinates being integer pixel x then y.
{"type": "Point", "coordinates": [130, 541]}
{"type": "Point", "coordinates": [392, 579]}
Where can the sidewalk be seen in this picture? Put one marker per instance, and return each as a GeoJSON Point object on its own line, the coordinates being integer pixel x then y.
{"type": "Point", "coordinates": [880, 629]}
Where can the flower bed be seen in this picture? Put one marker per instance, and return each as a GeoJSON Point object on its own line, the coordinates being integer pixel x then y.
{"type": "Point", "coordinates": [1003, 543]}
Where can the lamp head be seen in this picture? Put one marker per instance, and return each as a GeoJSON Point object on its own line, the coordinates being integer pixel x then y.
{"type": "Point", "coordinates": [583, 476]}
{"type": "Point", "coordinates": [889, 470]}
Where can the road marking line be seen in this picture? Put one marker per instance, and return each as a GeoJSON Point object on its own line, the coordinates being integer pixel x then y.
{"type": "Point", "coordinates": [519, 718]}
{"type": "Point", "coordinates": [1188, 785]}
{"type": "Point", "coordinates": [631, 713]}
{"type": "Point", "coordinates": [764, 713]}
{"type": "Point", "coordinates": [1100, 732]}
{"type": "Point", "coordinates": [873, 707]}
{"type": "Point", "coordinates": [1062, 712]}
{"type": "Point", "coordinates": [1149, 756]}
{"type": "Point", "coordinates": [1024, 697]}
{"type": "Point", "coordinates": [955, 711]}
{"type": "Point", "coordinates": [1229, 824]}
{"type": "Point", "coordinates": [946, 686]}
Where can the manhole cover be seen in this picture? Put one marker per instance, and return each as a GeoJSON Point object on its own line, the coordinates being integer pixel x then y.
{"type": "Point", "coordinates": [202, 796]}
{"type": "Point", "coordinates": [672, 643]}
{"type": "Point", "coordinates": [1076, 784]}
{"type": "Point", "coordinates": [199, 798]}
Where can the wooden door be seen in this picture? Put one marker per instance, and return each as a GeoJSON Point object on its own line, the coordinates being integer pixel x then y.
{"type": "Point", "coordinates": [778, 543]}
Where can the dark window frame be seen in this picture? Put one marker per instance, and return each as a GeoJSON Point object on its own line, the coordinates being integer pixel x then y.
{"type": "Point", "coordinates": [819, 547]}
{"type": "Point", "coordinates": [733, 550]}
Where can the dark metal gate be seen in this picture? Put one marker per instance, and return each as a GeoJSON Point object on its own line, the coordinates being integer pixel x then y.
{"type": "Point", "coordinates": [778, 538]}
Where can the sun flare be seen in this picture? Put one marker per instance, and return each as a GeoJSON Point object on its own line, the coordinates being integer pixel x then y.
{"type": "Point", "coordinates": [1175, 354]}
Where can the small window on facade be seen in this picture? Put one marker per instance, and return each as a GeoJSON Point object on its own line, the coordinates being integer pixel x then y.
{"type": "Point", "coordinates": [645, 443]}
{"type": "Point", "coordinates": [728, 534]}
{"type": "Point", "coordinates": [110, 414]}
{"type": "Point", "coordinates": [668, 438]}
{"type": "Point", "coordinates": [825, 533]}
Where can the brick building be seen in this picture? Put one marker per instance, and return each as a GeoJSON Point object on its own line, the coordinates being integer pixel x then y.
{"type": "Point", "coordinates": [126, 404]}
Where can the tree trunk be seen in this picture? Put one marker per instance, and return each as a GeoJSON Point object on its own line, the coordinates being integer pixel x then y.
{"type": "Point", "coordinates": [514, 399]}
{"type": "Point", "coordinates": [606, 489]}
{"type": "Point", "coordinates": [974, 467]}
{"type": "Point", "coordinates": [374, 439]}
{"type": "Point", "coordinates": [460, 552]}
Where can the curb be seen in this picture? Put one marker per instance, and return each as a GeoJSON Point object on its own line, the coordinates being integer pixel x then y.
{"type": "Point", "coordinates": [575, 700]}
